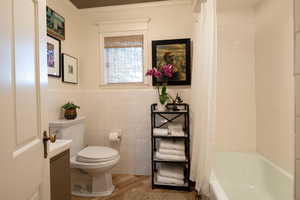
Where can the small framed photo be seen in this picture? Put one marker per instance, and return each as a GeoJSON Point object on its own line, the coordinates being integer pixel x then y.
{"type": "Point", "coordinates": [69, 69]}
{"type": "Point", "coordinates": [53, 56]}
{"type": "Point", "coordinates": [177, 53]}
{"type": "Point", "coordinates": [55, 24]}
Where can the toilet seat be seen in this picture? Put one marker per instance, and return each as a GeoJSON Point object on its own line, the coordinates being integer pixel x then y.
{"type": "Point", "coordinates": [96, 154]}
{"type": "Point", "coordinates": [94, 165]}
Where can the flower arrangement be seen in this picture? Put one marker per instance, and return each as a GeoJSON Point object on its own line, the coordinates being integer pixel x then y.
{"type": "Point", "coordinates": [163, 74]}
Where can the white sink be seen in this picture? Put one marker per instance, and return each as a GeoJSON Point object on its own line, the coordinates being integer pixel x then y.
{"type": "Point", "coordinates": [58, 147]}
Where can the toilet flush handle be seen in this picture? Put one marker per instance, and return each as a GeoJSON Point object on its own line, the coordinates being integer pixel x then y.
{"type": "Point", "coordinates": [46, 138]}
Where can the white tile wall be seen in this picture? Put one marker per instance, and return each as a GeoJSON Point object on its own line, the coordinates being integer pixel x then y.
{"type": "Point", "coordinates": [297, 93]}
{"type": "Point", "coordinates": [298, 138]}
{"type": "Point", "coordinates": [58, 97]}
{"type": "Point", "coordinates": [297, 15]}
{"type": "Point", "coordinates": [297, 179]}
{"type": "Point", "coordinates": [129, 111]}
{"type": "Point", "coordinates": [297, 54]}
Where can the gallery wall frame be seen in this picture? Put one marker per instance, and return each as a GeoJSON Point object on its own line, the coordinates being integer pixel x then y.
{"type": "Point", "coordinates": [176, 52]}
{"type": "Point", "coordinates": [55, 24]}
{"type": "Point", "coordinates": [53, 56]}
{"type": "Point", "coordinates": [69, 69]}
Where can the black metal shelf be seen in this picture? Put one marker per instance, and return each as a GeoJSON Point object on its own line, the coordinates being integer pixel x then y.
{"type": "Point", "coordinates": [170, 115]}
{"type": "Point", "coordinates": [170, 161]}
{"type": "Point", "coordinates": [157, 184]}
{"type": "Point", "coordinates": [185, 136]}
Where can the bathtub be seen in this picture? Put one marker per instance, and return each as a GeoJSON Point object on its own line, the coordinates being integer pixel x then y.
{"type": "Point", "coordinates": [248, 176]}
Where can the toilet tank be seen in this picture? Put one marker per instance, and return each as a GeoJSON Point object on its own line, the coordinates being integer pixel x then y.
{"type": "Point", "coordinates": [70, 130]}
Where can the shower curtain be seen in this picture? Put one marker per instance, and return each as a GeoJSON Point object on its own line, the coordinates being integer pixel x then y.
{"type": "Point", "coordinates": [204, 93]}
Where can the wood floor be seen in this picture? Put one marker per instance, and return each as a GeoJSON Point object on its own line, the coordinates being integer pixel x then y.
{"type": "Point", "coordinates": [133, 187]}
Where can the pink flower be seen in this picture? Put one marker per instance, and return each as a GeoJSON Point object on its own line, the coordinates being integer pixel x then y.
{"type": "Point", "coordinates": [154, 72]}
{"type": "Point", "coordinates": [167, 70]}
{"type": "Point", "coordinates": [150, 72]}
{"type": "Point", "coordinates": [157, 74]}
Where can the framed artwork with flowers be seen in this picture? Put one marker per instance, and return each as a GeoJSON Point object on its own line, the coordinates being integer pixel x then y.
{"type": "Point", "coordinates": [175, 53]}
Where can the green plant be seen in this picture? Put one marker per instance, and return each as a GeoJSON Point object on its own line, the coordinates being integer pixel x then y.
{"type": "Point", "coordinates": [70, 105]}
{"type": "Point", "coordinates": [163, 95]}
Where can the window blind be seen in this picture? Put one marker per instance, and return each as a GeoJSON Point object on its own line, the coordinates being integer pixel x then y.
{"type": "Point", "coordinates": [124, 59]}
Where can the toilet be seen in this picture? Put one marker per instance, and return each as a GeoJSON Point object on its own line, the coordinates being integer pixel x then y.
{"type": "Point", "coordinates": [90, 165]}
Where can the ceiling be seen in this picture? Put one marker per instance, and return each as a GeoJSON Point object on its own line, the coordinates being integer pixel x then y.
{"type": "Point", "coordinates": [81, 4]}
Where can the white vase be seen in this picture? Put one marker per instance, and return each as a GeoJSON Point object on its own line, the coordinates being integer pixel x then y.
{"type": "Point", "coordinates": [161, 107]}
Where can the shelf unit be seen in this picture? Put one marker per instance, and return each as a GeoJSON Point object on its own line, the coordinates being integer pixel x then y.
{"type": "Point", "coordinates": [170, 116]}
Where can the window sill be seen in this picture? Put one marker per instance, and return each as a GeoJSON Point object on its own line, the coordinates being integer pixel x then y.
{"type": "Point", "coordinates": [125, 86]}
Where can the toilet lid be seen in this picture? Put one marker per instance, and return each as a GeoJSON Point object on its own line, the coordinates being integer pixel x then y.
{"type": "Point", "coordinates": [97, 154]}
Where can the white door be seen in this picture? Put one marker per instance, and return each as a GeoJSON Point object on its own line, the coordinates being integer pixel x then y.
{"type": "Point", "coordinates": [23, 81]}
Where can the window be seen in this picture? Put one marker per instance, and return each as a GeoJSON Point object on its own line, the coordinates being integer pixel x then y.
{"type": "Point", "coordinates": [124, 59]}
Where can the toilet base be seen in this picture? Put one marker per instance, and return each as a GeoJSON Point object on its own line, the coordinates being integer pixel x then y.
{"type": "Point", "coordinates": [86, 184]}
{"type": "Point", "coordinates": [93, 194]}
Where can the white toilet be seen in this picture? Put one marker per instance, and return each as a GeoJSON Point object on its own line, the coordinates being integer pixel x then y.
{"type": "Point", "coordinates": [91, 165]}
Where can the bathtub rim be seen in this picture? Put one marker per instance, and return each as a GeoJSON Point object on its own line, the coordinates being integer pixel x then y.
{"type": "Point", "coordinates": [218, 190]}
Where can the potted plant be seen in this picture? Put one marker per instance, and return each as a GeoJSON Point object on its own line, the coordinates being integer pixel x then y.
{"type": "Point", "coordinates": [70, 110]}
{"type": "Point", "coordinates": [163, 74]}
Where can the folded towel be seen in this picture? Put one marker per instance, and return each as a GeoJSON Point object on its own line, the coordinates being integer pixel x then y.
{"type": "Point", "coordinates": [175, 127]}
{"type": "Point", "coordinates": [160, 131]}
{"type": "Point", "coordinates": [162, 156]}
{"type": "Point", "coordinates": [162, 179]}
{"type": "Point", "coordinates": [177, 133]}
{"type": "Point", "coordinates": [172, 144]}
{"type": "Point", "coordinates": [171, 152]}
{"type": "Point", "coordinates": [171, 171]}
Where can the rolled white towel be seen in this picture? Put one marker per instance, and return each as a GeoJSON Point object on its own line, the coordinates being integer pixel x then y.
{"type": "Point", "coordinates": [172, 144]}
{"type": "Point", "coordinates": [162, 179]}
{"type": "Point", "coordinates": [177, 133]}
{"type": "Point", "coordinates": [162, 156]}
{"type": "Point", "coordinates": [171, 152]}
{"type": "Point", "coordinates": [171, 171]}
{"type": "Point", "coordinates": [160, 131]}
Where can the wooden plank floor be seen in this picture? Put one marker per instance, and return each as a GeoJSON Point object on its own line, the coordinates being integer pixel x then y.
{"type": "Point", "coordinates": [128, 185]}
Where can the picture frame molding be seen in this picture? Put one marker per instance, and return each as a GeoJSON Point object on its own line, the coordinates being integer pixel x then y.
{"type": "Point", "coordinates": [63, 68]}
{"type": "Point", "coordinates": [59, 57]}
{"type": "Point", "coordinates": [187, 42]}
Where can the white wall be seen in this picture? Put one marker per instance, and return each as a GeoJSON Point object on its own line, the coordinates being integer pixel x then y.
{"type": "Point", "coordinates": [236, 116]}
{"type": "Point", "coordinates": [59, 93]}
{"type": "Point", "coordinates": [127, 109]}
{"type": "Point", "coordinates": [255, 94]}
{"type": "Point", "coordinates": [275, 82]}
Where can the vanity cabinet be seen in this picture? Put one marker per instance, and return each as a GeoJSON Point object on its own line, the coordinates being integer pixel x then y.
{"type": "Point", "coordinates": [60, 176]}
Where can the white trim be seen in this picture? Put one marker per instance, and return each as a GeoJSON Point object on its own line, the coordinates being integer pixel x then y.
{"type": "Point", "coordinates": [123, 25]}
{"type": "Point", "coordinates": [26, 147]}
{"type": "Point", "coordinates": [89, 11]}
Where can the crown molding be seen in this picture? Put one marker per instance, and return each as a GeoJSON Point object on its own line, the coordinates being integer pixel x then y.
{"type": "Point", "coordinates": [125, 21]}
{"type": "Point", "coordinates": [123, 25]}
{"type": "Point", "coordinates": [88, 11]}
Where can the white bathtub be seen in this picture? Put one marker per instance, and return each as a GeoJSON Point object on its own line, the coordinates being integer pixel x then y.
{"type": "Point", "coordinates": [249, 176]}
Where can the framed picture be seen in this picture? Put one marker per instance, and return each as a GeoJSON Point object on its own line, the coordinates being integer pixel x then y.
{"type": "Point", "coordinates": [55, 24]}
{"type": "Point", "coordinates": [70, 69]}
{"type": "Point", "coordinates": [176, 52]}
{"type": "Point", "coordinates": [53, 56]}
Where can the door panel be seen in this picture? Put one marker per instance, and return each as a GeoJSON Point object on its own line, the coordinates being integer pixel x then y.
{"type": "Point", "coordinates": [7, 142]}
{"type": "Point", "coordinates": [25, 70]}
{"type": "Point", "coordinates": [22, 60]}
